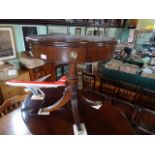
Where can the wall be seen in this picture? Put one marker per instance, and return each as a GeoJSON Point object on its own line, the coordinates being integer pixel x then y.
{"type": "Point", "coordinates": [57, 29]}
{"type": "Point", "coordinates": [72, 30]}
{"type": "Point", "coordinates": [17, 29]}
{"type": "Point", "coordinates": [143, 37]}
{"type": "Point", "coordinates": [112, 32]}
{"type": "Point", "coordinates": [145, 23]}
{"type": "Point", "coordinates": [64, 29]}
{"type": "Point", "coordinates": [115, 32]}
{"type": "Point", "coordinates": [19, 36]}
{"type": "Point", "coordinates": [142, 24]}
{"type": "Point", "coordinates": [125, 32]}
{"type": "Point", "coordinates": [145, 27]}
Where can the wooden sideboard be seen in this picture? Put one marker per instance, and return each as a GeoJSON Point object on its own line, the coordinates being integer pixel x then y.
{"type": "Point", "coordinates": [41, 71]}
{"type": "Point", "coordinates": [56, 71]}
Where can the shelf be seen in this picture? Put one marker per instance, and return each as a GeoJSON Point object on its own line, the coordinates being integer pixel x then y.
{"type": "Point", "coordinates": [69, 22]}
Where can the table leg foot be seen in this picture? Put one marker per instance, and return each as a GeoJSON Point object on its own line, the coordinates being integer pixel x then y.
{"type": "Point", "coordinates": [38, 97]}
{"type": "Point", "coordinates": [81, 132]}
{"type": "Point", "coordinates": [57, 105]}
{"type": "Point", "coordinates": [43, 112]}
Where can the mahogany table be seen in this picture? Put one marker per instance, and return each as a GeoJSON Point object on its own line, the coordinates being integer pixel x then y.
{"type": "Point", "coordinates": [105, 121]}
{"type": "Point", "coordinates": [12, 124]}
{"type": "Point", "coordinates": [71, 49]}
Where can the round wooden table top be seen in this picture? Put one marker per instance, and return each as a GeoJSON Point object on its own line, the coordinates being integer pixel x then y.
{"type": "Point", "coordinates": [105, 121]}
{"type": "Point", "coordinates": [72, 48]}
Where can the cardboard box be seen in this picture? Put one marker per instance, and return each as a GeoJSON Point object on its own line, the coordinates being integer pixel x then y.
{"type": "Point", "coordinates": [129, 68]}
{"type": "Point", "coordinates": [7, 71]}
{"type": "Point", "coordinates": [31, 62]}
{"type": "Point", "coordinates": [113, 64]}
{"type": "Point", "coordinates": [152, 76]}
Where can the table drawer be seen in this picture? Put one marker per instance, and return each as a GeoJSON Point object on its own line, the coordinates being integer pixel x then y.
{"type": "Point", "coordinates": [60, 54]}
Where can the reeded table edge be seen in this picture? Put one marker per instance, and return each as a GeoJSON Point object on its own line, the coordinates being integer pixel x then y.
{"type": "Point", "coordinates": [71, 40]}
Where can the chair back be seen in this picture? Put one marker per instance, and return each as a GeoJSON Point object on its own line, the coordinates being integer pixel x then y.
{"type": "Point", "coordinates": [128, 109]}
{"type": "Point", "coordinates": [10, 104]}
{"type": "Point", "coordinates": [88, 80]}
{"type": "Point", "coordinates": [127, 92]}
{"type": "Point", "coordinates": [108, 86]}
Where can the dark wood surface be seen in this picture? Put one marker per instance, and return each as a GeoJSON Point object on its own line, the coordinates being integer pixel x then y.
{"type": "Point", "coordinates": [107, 120]}
{"type": "Point", "coordinates": [12, 124]}
{"type": "Point", "coordinates": [59, 48]}
{"type": "Point", "coordinates": [71, 49]}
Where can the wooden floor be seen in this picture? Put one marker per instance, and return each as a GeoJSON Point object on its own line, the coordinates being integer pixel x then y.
{"type": "Point", "coordinates": [13, 124]}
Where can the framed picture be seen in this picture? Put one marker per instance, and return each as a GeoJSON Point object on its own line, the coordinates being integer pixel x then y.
{"type": "Point", "coordinates": [101, 31]}
{"type": "Point", "coordinates": [7, 43]}
{"type": "Point", "coordinates": [90, 31]}
{"type": "Point", "coordinates": [78, 31]}
{"type": "Point", "coordinates": [57, 29]}
{"type": "Point", "coordinates": [28, 30]}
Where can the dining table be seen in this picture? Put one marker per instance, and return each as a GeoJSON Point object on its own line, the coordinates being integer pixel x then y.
{"type": "Point", "coordinates": [12, 124]}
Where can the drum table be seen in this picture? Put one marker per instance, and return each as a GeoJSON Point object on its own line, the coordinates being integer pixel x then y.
{"type": "Point", "coordinates": [72, 50]}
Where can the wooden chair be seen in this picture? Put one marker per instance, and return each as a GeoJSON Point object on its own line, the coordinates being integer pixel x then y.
{"type": "Point", "coordinates": [146, 98]}
{"type": "Point", "coordinates": [88, 81]}
{"type": "Point", "coordinates": [93, 98]}
{"type": "Point", "coordinates": [89, 94]}
{"type": "Point", "coordinates": [126, 100]}
{"type": "Point", "coordinates": [128, 109]}
{"type": "Point", "coordinates": [108, 86]}
{"type": "Point", "coordinates": [127, 92]}
{"type": "Point", "coordinates": [145, 122]}
{"type": "Point", "coordinates": [11, 104]}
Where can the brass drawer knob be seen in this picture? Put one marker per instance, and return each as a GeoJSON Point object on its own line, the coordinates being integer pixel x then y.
{"type": "Point", "coordinates": [73, 55]}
